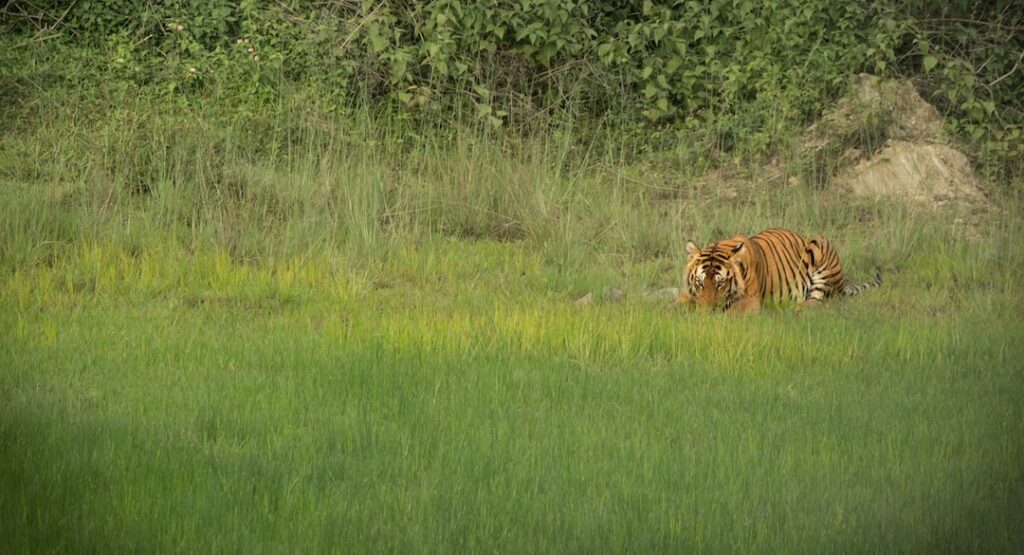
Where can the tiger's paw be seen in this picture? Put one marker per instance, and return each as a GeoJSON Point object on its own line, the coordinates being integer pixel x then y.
{"type": "Point", "coordinates": [749, 305]}
{"type": "Point", "coordinates": [684, 298]}
{"type": "Point", "coordinates": [809, 303]}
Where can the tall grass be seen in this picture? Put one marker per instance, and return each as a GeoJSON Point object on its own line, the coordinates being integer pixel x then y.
{"type": "Point", "coordinates": [262, 187]}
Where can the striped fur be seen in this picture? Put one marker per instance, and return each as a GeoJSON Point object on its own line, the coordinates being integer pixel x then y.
{"type": "Point", "coordinates": [777, 264]}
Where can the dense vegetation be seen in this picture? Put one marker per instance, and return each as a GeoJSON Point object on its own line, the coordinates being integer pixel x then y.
{"type": "Point", "coordinates": [178, 110]}
{"type": "Point", "coordinates": [737, 73]}
{"type": "Point", "coordinates": [299, 276]}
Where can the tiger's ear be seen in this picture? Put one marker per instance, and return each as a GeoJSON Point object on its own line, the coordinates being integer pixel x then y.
{"type": "Point", "coordinates": [691, 248]}
{"type": "Point", "coordinates": [738, 248]}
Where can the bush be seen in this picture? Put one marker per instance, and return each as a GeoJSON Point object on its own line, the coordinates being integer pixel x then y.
{"type": "Point", "coordinates": [743, 69]}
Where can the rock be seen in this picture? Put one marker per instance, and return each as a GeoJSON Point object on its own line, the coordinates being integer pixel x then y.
{"type": "Point", "coordinates": [912, 117]}
{"type": "Point", "coordinates": [926, 173]}
{"type": "Point", "coordinates": [666, 294]}
{"type": "Point", "coordinates": [874, 105]}
{"type": "Point", "coordinates": [585, 299]}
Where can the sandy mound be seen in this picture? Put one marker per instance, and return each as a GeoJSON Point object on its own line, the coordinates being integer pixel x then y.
{"type": "Point", "coordinates": [894, 106]}
{"type": "Point", "coordinates": [882, 140]}
{"type": "Point", "coordinates": [927, 173]}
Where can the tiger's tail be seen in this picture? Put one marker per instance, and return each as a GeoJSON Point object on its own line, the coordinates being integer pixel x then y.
{"type": "Point", "coordinates": [851, 290]}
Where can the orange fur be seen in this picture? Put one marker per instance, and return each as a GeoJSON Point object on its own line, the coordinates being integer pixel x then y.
{"type": "Point", "coordinates": [740, 272]}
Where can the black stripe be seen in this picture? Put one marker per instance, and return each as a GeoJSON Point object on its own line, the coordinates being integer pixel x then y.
{"type": "Point", "coordinates": [772, 262]}
{"type": "Point", "coordinates": [785, 271]}
{"type": "Point", "coordinates": [837, 270]}
{"type": "Point", "coordinates": [800, 285]}
{"type": "Point", "coordinates": [794, 274]}
{"type": "Point", "coordinates": [803, 279]}
{"type": "Point", "coordinates": [798, 243]}
{"type": "Point", "coordinates": [788, 263]}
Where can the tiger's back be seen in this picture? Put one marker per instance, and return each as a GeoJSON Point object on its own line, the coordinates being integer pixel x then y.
{"type": "Point", "coordinates": [796, 268]}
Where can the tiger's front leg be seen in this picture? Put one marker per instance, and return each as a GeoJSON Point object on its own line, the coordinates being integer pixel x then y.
{"type": "Point", "coordinates": [684, 298]}
{"type": "Point", "coordinates": [808, 303]}
{"type": "Point", "coordinates": [746, 305]}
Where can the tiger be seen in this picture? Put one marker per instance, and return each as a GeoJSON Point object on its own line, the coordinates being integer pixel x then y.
{"type": "Point", "coordinates": [738, 273]}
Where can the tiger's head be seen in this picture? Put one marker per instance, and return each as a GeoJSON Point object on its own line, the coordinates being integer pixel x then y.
{"type": "Point", "coordinates": [716, 275]}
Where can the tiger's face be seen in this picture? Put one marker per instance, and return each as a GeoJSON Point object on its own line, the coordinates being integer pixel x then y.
{"type": "Point", "coordinates": [714, 274]}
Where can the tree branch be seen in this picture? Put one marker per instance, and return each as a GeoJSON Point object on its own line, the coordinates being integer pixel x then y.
{"type": "Point", "coordinates": [1012, 69]}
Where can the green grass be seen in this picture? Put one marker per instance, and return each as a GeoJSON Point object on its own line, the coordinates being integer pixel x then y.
{"type": "Point", "coordinates": [456, 401]}
{"type": "Point", "coordinates": [342, 336]}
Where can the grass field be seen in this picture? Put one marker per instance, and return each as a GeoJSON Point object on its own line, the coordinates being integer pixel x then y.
{"type": "Point", "coordinates": [379, 351]}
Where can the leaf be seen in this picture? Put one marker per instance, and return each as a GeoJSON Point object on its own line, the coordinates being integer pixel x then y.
{"type": "Point", "coordinates": [652, 114]}
{"type": "Point", "coordinates": [547, 52]}
{"type": "Point", "coordinates": [377, 42]}
{"type": "Point", "coordinates": [929, 63]}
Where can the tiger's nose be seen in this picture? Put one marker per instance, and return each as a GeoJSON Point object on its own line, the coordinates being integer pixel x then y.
{"type": "Point", "coordinates": [708, 296]}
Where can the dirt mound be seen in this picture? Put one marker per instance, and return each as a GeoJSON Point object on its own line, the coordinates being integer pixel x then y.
{"type": "Point", "coordinates": [883, 140]}
{"type": "Point", "coordinates": [893, 107]}
{"type": "Point", "coordinates": [927, 173]}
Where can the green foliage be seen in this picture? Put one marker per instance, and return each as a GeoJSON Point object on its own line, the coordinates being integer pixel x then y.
{"type": "Point", "coordinates": [738, 72]}
{"type": "Point", "coordinates": [968, 59]}
{"type": "Point", "coordinates": [720, 55]}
